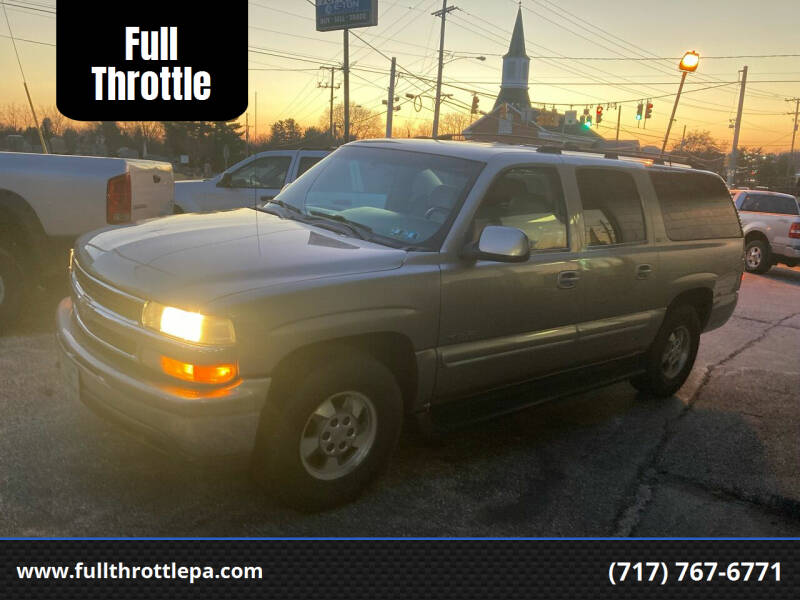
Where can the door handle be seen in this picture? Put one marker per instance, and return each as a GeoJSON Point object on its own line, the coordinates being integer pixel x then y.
{"type": "Point", "coordinates": [643, 271]}
{"type": "Point", "coordinates": [568, 279]}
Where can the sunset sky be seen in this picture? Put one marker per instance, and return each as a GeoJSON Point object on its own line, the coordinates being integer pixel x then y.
{"type": "Point", "coordinates": [620, 30]}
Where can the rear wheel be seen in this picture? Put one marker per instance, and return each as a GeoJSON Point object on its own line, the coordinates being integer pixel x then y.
{"type": "Point", "coordinates": [331, 435]}
{"type": "Point", "coordinates": [671, 356]}
{"type": "Point", "coordinates": [12, 286]}
{"type": "Point", "coordinates": [757, 256]}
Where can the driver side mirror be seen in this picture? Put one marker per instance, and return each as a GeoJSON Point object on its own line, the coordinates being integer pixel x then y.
{"type": "Point", "coordinates": [225, 181]}
{"type": "Point", "coordinates": [499, 244]}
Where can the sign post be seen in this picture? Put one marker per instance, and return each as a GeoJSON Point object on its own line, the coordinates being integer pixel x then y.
{"type": "Point", "coordinates": [333, 15]}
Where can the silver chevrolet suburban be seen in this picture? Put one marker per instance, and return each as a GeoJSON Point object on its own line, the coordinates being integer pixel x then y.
{"type": "Point", "coordinates": [444, 281]}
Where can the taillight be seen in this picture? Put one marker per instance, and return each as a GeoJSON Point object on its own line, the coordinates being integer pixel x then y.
{"type": "Point", "coordinates": [794, 230]}
{"type": "Point", "coordinates": [118, 199]}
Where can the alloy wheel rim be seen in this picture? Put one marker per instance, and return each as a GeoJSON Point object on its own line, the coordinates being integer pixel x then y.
{"type": "Point", "coordinates": [676, 353]}
{"type": "Point", "coordinates": [754, 257]}
{"type": "Point", "coordinates": [338, 435]}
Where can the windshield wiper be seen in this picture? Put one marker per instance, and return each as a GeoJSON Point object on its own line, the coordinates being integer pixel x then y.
{"type": "Point", "coordinates": [286, 205]}
{"type": "Point", "coordinates": [362, 231]}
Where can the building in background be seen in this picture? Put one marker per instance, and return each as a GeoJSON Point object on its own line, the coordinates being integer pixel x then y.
{"type": "Point", "coordinates": [514, 120]}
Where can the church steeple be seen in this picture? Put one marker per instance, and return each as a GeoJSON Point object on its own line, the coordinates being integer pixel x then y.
{"type": "Point", "coordinates": [516, 69]}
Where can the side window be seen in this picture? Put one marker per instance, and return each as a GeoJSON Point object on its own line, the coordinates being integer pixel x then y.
{"type": "Point", "coordinates": [783, 205]}
{"type": "Point", "coordinates": [530, 199]}
{"type": "Point", "coordinates": [612, 208]}
{"type": "Point", "coordinates": [268, 172]}
{"type": "Point", "coordinates": [306, 163]}
{"type": "Point", "coordinates": [751, 203]}
{"type": "Point", "coordinates": [695, 206]}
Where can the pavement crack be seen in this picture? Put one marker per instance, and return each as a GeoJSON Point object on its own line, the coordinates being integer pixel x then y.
{"type": "Point", "coordinates": [643, 486]}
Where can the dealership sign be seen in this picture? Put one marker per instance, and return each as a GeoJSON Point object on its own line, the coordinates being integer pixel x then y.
{"type": "Point", "coordinates": [346, 14]}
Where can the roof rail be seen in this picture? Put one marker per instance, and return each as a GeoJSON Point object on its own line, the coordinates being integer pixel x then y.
{"type": "Point", "coordinates": [611, 155]}
{"type": "Point", "coordinates": [548, 149]}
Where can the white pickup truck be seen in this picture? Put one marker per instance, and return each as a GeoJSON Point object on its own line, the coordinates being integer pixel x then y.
{"type": "Point", "coordinates": [46, 201]}
{"type": "Point", "coordinates": [254, 180]}
{"type": "Point", "coordinates": [771, 225]}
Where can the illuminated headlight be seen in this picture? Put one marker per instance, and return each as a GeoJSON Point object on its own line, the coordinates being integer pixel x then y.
{"type": "Point", "coordinates": [188, 326]}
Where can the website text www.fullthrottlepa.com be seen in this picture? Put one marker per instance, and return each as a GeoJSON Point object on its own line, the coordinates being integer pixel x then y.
{"type": "Point", "coordinates": [119, 570]}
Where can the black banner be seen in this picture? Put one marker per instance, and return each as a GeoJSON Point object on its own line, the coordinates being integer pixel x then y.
{"type": "Point", "coordinates": [412, 568]}
{"type": "Point", "coordinates": [151, 61]}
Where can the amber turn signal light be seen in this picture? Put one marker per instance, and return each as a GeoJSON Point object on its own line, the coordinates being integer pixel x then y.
{"type": "Point", "coordinates": [220, 373]}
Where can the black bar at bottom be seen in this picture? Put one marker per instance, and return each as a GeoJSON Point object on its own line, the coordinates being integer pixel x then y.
{"type": "Point", "coordinates": [354, 569]}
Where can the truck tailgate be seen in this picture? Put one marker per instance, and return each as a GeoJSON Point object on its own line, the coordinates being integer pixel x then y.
{"type": "Point", "coordinates": [152, 189]}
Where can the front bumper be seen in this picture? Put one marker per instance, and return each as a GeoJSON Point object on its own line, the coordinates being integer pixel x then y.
{"type": "Point", "coordinates": [221, 422]}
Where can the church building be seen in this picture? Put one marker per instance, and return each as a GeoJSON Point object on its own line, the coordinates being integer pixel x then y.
{"type": "Point", "coordinates": [514, 121]}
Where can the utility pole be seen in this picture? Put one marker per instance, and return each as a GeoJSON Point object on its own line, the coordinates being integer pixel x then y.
{"type": "Point", "coordinates": [255, 121]}
{"type": "Point", "coordinates": [390, 101]}
{"type": "Point", "coordinates": [247, 132]}
{"type": "Point", "coordinates": [443, 14]}
{"type": "Point", "coordinates": [791, 166]}
{"type": "Point", "coordinates": [332, 87]}
{"type": "Point", "coordinates": [683, 136]}
{"type": "Point", "coordinates": [619, 117]}
{"type": "Point", "coordinates": [346, 73]}
{"type": "Point", "coordinates": [24, 82]}
{"type": "Point", "coordinates": [732, 161]}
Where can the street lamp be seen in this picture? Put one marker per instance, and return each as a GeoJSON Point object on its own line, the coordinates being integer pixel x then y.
{"type": "Point", "coordinates": [437, 106]}
{"type": "Point", "coordinates": [688, 64]}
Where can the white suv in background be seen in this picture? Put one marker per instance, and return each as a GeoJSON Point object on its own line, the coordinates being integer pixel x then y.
{"type": "Point", "coordinates": [254, 180]}
{"type": "Point", "coordinates": [771, 224]}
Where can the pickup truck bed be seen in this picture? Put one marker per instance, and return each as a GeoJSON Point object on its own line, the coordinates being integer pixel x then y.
{"type": "Point", "coordinates": [47, 201]}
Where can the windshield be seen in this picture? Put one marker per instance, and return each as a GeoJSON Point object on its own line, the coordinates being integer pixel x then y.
{"type": "Point", "coordinates": [403, 199]}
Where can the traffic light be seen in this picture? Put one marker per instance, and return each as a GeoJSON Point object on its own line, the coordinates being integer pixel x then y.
{"type": "Point", "coordinates": [649, 112]}
{"type": "Point", "coordinates": [599, 114]}
{"type": "Point", "coordinates": [639, 110]}
{"type": "Point", "coordinates": [475, 101]}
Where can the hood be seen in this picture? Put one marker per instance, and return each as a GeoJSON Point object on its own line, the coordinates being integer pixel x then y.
{"type": "Point", "coordinates": [192, 259]}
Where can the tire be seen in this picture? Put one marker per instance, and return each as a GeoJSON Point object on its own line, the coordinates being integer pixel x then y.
{"type": "Point", "coordinates": [322, 442]}
{"type": "Point", "coordinates": [671, 356]}
{"type": "Point", "coordinates": [12, 288]}
{"type": "Point", "coordinates": [758, 257]}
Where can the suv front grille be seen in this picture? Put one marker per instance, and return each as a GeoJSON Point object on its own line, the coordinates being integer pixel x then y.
{"type": "Point", "coordinates": [104, 313]}
{"type": "Point", "coordinates": [107, 297]}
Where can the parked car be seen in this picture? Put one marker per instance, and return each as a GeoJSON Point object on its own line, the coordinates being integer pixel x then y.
{"type": "Point", "coordinates": [445, 281]}
{"type": "Point", "coordinates": [771, 223]}
{"type": "Point", "coordinates": [47, 201]}
{"type": "Point", "coordinates": [254, 180]}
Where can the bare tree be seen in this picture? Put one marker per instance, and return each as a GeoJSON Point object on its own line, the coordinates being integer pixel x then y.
{"type": "Point", "coordinates": [15, 116]}
{"type": "Point", "coordinates": [58, 122]}
{"type": "Point", "coordinates": [364, 123]}
{"type": "Point", "coordinates": [454, 123]}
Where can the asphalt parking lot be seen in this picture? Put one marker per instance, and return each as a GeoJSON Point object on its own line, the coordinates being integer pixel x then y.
{"type": "Point", "coordinates": [721, 458]}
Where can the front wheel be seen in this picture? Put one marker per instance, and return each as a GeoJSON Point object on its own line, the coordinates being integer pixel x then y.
{"type": "Point", "coordinates": [757, 257]}
{"type": "Point", "coordinates": [671, 356]}
{"type": "Point", "coordinates": [330, 436]}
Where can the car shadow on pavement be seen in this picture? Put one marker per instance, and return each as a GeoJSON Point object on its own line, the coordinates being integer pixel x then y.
{"type": "Point", "coordinates": [563, 468]}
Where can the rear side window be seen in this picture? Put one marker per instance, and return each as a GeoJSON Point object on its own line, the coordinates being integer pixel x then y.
{"type": "Point", "coordinates": [306, 163]}
{"type": "Point", "coordinates": [783, 205]}
{"type": "Point", "coordinates": [612, 208]}
{"type": "Point", "coordinates": [695, 206]}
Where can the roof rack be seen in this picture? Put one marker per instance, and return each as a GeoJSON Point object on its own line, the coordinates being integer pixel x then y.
{"type": "Point", "coordinates": [548, 149]}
